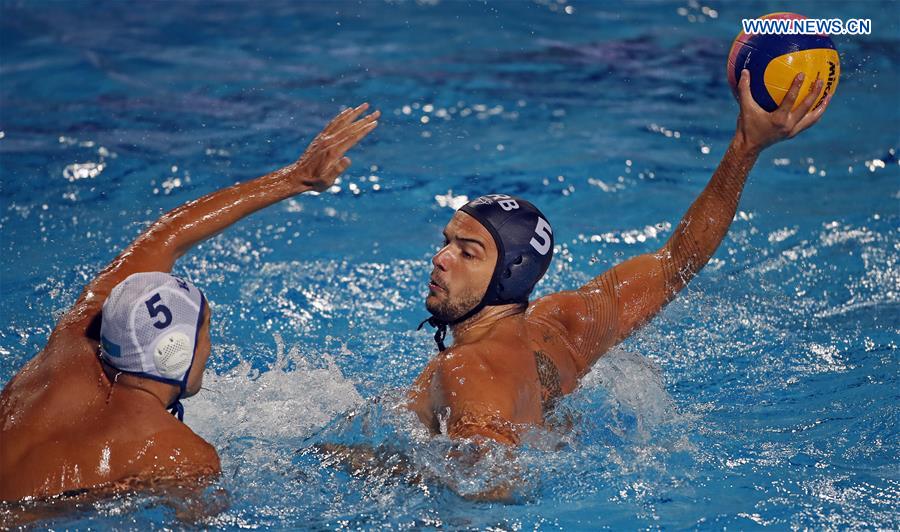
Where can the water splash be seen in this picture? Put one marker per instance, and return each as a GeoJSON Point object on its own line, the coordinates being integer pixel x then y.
{"type": "Point", "coordinates": [286, 402]}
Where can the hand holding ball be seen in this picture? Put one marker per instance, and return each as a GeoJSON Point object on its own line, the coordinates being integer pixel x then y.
{"type": "Point", "coordinates": [775, 60]}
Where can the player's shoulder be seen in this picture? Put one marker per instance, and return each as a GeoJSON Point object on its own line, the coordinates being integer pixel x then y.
{"type": "Point", "coordinates": [469, 357]}
{"type": "Point", "coordinates": [203, 457]}
{"type": "Point", "coordinates": [188, 452]}
{"type": "Point", "coordinates": [64, 374]}
{"type": "Point", "coordinates": [559, 308]}
{"type": "Point", "coordinates": [467, 365]}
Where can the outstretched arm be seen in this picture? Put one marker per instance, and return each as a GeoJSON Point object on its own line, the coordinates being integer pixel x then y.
{"type": "Point", "coordinates": [177, 231]}
{"type": "Point", "coordinates": [607, 309]}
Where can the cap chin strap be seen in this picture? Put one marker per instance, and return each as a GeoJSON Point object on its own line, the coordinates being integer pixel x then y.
{"type": "Point", "coordinates": [177, 409]}
{"type": "Point", "coordinates": [442, 325]}
{"type": "Point", "coordinates": [439, 334]}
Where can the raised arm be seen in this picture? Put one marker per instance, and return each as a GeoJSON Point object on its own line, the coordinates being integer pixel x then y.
{"type": "Point", "coordinates": [177, 231]}
{"type": "Point", "coordinates": [608, 308]}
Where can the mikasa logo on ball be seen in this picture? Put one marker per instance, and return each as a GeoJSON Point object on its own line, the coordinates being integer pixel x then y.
{"type": "Point", "coordinates": [832, 76]}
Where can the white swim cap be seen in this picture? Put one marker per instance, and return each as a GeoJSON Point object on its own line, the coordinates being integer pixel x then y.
{"type": "Point", "coordinates": [150, 325]}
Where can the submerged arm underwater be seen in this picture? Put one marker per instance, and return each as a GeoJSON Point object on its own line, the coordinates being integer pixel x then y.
{"type": "Point", "coordinates": [368, 461]}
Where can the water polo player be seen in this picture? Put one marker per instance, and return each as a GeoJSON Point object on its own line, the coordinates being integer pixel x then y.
{"type": "Point", "coordinates": [510, 360]}
{"type": "Point", "coordinates": [90, 410]}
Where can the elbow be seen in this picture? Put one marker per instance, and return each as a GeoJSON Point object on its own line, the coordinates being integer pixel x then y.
{"type": "Point", "coordinates": [162, 239]}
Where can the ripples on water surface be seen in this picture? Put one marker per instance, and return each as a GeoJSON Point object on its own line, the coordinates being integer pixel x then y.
{"type": "Point", "coordinates": [766, 395]}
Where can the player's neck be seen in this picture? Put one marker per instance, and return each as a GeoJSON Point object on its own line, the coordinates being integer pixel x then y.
{"type": "Point", "coordinates": [139, 388]}
{"type": "Point", "coordinates": [478, 325]}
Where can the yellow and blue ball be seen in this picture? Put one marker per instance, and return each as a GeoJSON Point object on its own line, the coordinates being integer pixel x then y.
{"type": "Point", "coordinates": [774, 61]}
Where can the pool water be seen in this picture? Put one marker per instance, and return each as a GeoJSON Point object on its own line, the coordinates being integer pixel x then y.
{"type": "Point", "coordinates": [766, 395]}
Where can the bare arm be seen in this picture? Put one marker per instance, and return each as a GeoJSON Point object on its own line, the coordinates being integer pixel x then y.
{"type": "Point", "coordinates": [176, 232]}
{"type": "Point", "coordinates": [610, 307]}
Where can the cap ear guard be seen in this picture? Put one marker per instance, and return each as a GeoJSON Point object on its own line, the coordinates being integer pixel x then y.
{"type": "Point", "coordinates": [522, 267]}
{"type": "Point", "coordinates": [173, 355]}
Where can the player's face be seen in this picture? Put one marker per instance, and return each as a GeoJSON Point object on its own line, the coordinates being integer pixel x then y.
{"type": "Point", "coordinates": [462, 268]}
{"type": "Point", "coordinates": [204, 346]}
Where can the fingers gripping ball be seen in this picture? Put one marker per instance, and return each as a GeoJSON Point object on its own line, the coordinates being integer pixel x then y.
{"type": "Point", "coordinates": [774, 61]}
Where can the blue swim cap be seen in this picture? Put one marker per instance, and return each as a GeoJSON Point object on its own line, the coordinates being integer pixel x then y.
{"type": "Point", "coordinates": [524, 242]}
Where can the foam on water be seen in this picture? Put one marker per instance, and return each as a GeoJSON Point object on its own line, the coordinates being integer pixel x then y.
{"type": "Point", "coordinates": [268, 424]}
{"type": "Point", "coordinates": [281, 403]}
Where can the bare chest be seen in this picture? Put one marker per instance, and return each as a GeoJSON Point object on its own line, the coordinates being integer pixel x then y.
{"type": "Point", "coordinates": [533, 369]}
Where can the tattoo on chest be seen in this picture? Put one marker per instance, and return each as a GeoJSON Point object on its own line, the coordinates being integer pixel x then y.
{"type": "Point", "coordinates": [551, 390]}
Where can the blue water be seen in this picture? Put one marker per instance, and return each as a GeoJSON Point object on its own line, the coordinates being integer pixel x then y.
{"type": "Point", "coordinates": [765, 396]}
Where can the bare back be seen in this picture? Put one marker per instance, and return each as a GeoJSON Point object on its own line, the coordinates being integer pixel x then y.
{"type": "Point", "coordinates": [66, 427]}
